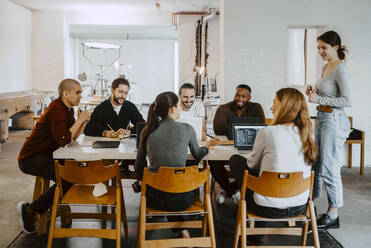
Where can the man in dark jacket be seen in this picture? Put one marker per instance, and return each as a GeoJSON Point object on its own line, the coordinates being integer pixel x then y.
{"type": "Point", "coordinates": [112, 117]}
{"type": "Point", "coordinates": [239, 107]}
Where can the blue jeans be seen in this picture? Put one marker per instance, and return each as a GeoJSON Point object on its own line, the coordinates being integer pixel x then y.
{"type": "Point", "coordinates": [332, 131]}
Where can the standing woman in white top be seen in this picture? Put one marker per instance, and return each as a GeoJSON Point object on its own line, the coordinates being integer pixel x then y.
{"type": "Point", "coordinates": [286, 146]}
{"type": "Point", "coordinates": [332, 94]}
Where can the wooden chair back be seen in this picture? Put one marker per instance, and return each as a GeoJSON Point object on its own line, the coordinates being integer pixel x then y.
{"type": "Point", "coordinates": [278, 184]}
{"type": "Point", "coordinates": [175, 179]}
{"type": "Point", "coordinates": [268, 121]}
{"type": "Point", "coordinates": [86, 172]}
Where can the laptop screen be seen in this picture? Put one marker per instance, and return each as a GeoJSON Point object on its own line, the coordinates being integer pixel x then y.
{"type": "Point", "coordinates": [246, 120]}
{"type": "Point", "coordinates": [244, 135]}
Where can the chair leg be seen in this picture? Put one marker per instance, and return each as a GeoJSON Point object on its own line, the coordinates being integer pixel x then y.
{"type": "Point", "coordinates": [64, 212]}
{"type": "Point", "coordinates": [237, 228]}
{"type": "Point", "coordinates": [142, 223]}
{"type": "Point", "coordinates": [53, 217]}
{"type": "Point", "coordinates": [41, 186]}
{"type": "Point", "coordinates": [210, 220]}
{"type": "Point", "coordinates": [314, 225]}
{"type": "Point", "coordinates": [362, 165]}
{"type": "Point", "coordinates": [350, 150]}
{"type": "Point", "coordinates": [103, 220]}
{"type": "Point", "coordinates": [304, 233]}
{"type": "Point", "coordinates": [124, 218]}
{"type": "Point", "coordinates": [118, 217]}
{"type": "Point", "coordinates": [204, 225]}
{"type": "Point", "coordinates": [243, 224]}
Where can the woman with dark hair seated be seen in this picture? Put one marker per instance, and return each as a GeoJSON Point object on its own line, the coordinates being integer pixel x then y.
{"type": "Point", "coordinates": [166, 143]}
{"type": "Point", "coordinates": [286, 146]}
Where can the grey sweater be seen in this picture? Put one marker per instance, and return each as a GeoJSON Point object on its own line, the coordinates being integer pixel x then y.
{"type": "Point", "coordinates": [334, 89]}
{"type": "Point", "coordinates": [168, 146]}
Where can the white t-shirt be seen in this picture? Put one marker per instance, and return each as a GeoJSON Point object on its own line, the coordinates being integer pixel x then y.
{"type": "Point", "coordinates": [279, 149]}
{"type": "Point", "coordinates": [116, 108]}
{"type": "Point", "coordinates": [197, 110]}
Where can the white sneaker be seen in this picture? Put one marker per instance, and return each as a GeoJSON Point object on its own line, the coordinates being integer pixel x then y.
{"type": "Point", "coordinates": [220, 198]}
{"type": "Point", "coordinates": [236, 197]}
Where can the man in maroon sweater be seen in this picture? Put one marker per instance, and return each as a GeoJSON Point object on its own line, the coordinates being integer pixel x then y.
{"type": "Point", "coordinates": [239, 107]}
{"type": "Point", "coordinates": [55, 128]}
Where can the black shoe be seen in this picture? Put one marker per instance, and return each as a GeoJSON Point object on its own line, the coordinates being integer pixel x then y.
{"type": "Point", "coordinates": [325, 222]}
{"type": "Point", "coordinates": [26, 217]}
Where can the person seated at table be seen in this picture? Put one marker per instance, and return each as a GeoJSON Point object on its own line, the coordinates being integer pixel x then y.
{"type": "Point", "coordinates": [286, 146]}
{"type": "Point", "coordinates": [55, 128]}
{"type": "Point", "coordinates": [241, 106]}
{"type": "Point", "coordinates": [166, 143]}
{"type": "Point", "coordinates": [112, 117]}
{"type": "Point", "coordinates": [190, 108]}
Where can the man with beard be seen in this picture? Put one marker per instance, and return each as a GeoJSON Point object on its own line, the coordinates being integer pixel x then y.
{"type": "Point", "coordinates": [239, 107]}
{"type": "Point", "coordinates": [190, 108]}
{"type": "Point", "coordinates": [112, 117]}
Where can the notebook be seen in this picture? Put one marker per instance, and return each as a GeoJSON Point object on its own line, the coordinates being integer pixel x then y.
{"type": "Point", "coordinates": [247, 120]}
{"type": "Point", "coordinates": [196, 123]}
{"type": "Point", "coordinates": [245, 134]}
{"type": "Point", "coordinates": [106, 144]}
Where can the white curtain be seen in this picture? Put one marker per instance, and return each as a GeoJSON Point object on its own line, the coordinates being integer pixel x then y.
{"type": "Point", "coordinates": [296, 57]}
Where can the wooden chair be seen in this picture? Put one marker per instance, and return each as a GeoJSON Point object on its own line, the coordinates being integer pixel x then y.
{"type": "Point", "coordinates": [41, 186]}
{"type": "Point", "coordinates": [360, 141]}
{"type": "Point", "coordinates": [268, 121]}
{"type": "Point", "coordinates": [83, 174]}
{"type": "Point", "coordinates": [350, 142]}
{"type": "Point", "coordinates": [274, 184]}
{"type": "Point", "coordinates": [177, 180]}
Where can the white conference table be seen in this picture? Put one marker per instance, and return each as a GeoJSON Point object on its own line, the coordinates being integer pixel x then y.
{"type": "Point", "coordinates": [82, 149]}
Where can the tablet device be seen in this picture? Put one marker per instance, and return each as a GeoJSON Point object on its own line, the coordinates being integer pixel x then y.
{"type": "Point", "coordinates": [106, 144]}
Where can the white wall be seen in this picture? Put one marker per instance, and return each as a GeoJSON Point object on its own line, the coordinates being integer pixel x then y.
{"type": "Point", "coordinates": [187, 25]}
{"type": "Point", "coordinates": [52, 59]}
{"type": "Point", "coordinates": [15, 47]}
{"type": "Point", "coordinates": [152, 64]}
{"type": "Point", "coordinates": [255, 48]}
{"type": "Point", "coordinates": [48, 41]}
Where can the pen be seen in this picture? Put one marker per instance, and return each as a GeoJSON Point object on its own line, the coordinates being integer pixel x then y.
{"type": "Point", "coordinates": [110, 127]}
{"type": "Point", "coordinates": [208, 135]}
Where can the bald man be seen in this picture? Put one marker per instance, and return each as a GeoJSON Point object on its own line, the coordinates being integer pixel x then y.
{"type": "Point", "coordinates": [55, 128]}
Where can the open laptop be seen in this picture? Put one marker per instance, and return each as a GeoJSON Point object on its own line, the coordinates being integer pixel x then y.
{"type": "Point", "coordinates": [246, 120]}
{"type": "Point", "coordinates": [196, 123]}
{"type": "Point", "coordinates": [140, 126]}
{"type": "Point", "coordinates": [245, 134]}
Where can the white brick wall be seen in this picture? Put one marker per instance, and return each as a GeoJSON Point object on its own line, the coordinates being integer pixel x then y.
{"type": "Point", "coordinates": [255, 48]}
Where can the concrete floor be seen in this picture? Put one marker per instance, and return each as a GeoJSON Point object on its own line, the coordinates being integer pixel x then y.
{"type": "Point", "coordinates": [355, 215]}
